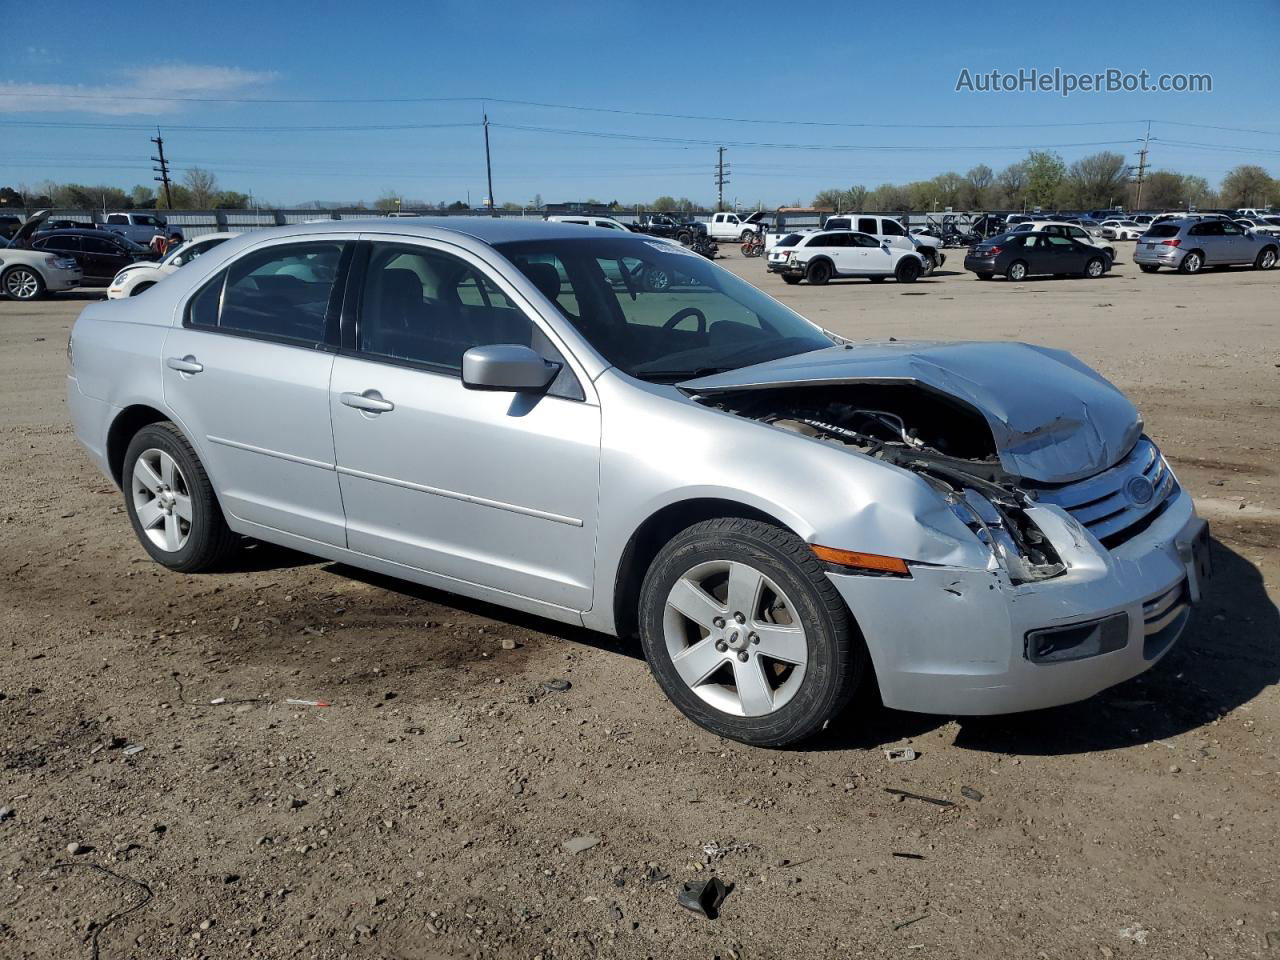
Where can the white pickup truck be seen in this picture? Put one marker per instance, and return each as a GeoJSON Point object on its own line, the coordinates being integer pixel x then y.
{"type": "Point", "coordinates": [139, 227]}
{"type": "Point", "coordinates": [730, 226]}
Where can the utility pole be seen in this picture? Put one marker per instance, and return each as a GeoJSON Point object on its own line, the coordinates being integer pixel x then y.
{"type": "Point", "coordinates": [722, 177]}
{"type": "Point", "coordinates": [1142, 167]}
{"type": "Point", "coordinates": [162, 169]}
{"type": "Point", "coordinates": [487, 168]}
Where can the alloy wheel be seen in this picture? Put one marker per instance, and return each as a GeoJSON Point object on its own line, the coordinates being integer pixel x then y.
{"type": "Point", "coordinates": [733, 638]}
{"type": "Point", "coordinates": [21, 284]}
{"type": "Point", "coordinates": [1017, 272]}
{"type": "Point", "coordinates": [161, 500]}
{"type": "Point", "coordinates": [1095, 268]}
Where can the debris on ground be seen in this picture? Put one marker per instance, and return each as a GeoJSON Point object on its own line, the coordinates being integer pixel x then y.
{"type": "Point", "coordinates": [1137, 933]}
{"type": "Point", "coordinates": [554, 685]}
{"type": "Point", "coordinates": [704, 898]}
{"type": "Point", "coordinates": [76, 848]}
{"type": "Point", "coordinates": [907, 795]}
{"type": "Point", "coordinates": [971, 794]}
{"type": "Point", "coordinates": [308, 703]}
{"type": "Point", "coordinates": [580, 844]}
{"type": "Point", "coordinates": [908, 922]}
{"type": "Point", "coordinates": [909, 856]}
{"type": "Point", "coordinates": [99, 927]}
{"type": "Point", "coordinates": [899, 754]}
{"type": "Point", "coordinates": [133, 749]}
{"type": "Point", "coordinates": [5, 813]}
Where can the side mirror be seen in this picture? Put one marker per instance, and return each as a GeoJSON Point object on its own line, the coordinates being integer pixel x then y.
{"type": "Point", "coordinates": [506, 366]}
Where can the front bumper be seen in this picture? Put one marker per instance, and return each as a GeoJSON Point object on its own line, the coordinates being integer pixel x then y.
{"type": "Point", "coordinates": [58, 280]}
{"type": "Point", "coordinates": [954, 641]}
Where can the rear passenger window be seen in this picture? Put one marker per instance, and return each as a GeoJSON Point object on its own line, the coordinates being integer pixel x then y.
{"type": "Point", "coordinates": [281, 292]}
{"type": "Point", "coordinates": [868, 225]}
{"type": "Point", "coordinates": [428, 307]}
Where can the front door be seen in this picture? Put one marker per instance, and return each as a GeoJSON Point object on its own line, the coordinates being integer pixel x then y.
{"type": "Point", "coordinates": [489, 488]}
{"type": "Point", "coordinates": [874, 256]}
{"type": "Point", "coordinates": [103, 259]}
{"type": "Point", "coordinates": [247, 377]}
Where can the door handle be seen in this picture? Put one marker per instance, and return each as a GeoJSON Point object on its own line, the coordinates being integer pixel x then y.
{"type": "Point", "coordinates": [187, 364]}
{"type": "Point", "coordinates": [370, 401]}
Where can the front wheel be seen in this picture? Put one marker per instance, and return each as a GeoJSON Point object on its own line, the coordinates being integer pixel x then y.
{"type": "Point", "coordinates": [171, 503]}
{"type": "Point", "coordinates": [1095, 268]}
{"type": "Point", "coordinates": [930, 264]}
{"type": "Point", "coordinates": [140, 288]}
{"type": "Point", "coordinates": [746, 635]}
{"type": "Point", "coordinates": [1266, 259]}
{"type": "Point", "coordinates": [23, 283]}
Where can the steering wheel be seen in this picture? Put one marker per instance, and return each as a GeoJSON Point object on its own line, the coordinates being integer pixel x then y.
{"type": "Point", "coordinates": [687, 312]}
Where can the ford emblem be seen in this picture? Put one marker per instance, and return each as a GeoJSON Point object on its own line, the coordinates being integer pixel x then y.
{"type": "Point", "coordinates": [1140, 491]}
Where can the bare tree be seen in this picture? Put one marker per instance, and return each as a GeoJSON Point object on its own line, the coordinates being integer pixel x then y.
{"type": "Point", "coordinates": [1248, 186]}
{"type": "Point", "coordinates": [979, 181]}
{"type": "Point", "coordinates": [1097, 180]}
{"type": "Point", "coordinates": [203, 187]}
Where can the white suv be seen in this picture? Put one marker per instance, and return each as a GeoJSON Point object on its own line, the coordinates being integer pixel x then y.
{"type": "Point", "coordinates": [608, 223]}
{"type": "Point", "coordinates": [886, 228]}
{"type": "Point", "coordinates": [819, 257]}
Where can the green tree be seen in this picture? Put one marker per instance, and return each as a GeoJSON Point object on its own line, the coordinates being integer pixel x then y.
{"type": "Point", "coordinates": [1097, 180]}
{"type": "Point", "coordinates": [1045, 171]}
{"type": "Point", "coordinates": [1247, 186]}
{"type": "Point", "coordinates": [230, 200]}
{"type": "Point", "coordinates": [1011, 186]}
{"type": "Point", "coordinates": [978, 182]}
{"type": "Point", "coordinates": [142, 197]}
{"type": "Point", "coordinates": [387, 201]}
{"type": "Point", "coordinates": [664, 204]}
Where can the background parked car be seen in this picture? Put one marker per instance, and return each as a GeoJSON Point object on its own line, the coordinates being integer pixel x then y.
{"type": "Point", "coordinates": [888, 229]}
{"type": "Point", "coordinates": [606, 223]}
{"type": "Point", "coordinates": [1022, 254]}
{"type": "Point", "coordinates": [1122, 229]}
{"type": "Point", "coordinates": [143, 275]}
{"type": "Point", "coordinates": [140, 227]}
{"type": "Point", "coordinates": [1070, 230]}
{"type": "Point", "coordinates": [29, 274]}
{"type": "Point", "coordinates": [1190, 245]}
{"type": "Point", "coordinates": [819, 257]}
{"type": "Point", "coordinates": [1269, 225]}
{"type": "Point", "coordinates": [730, 226]}
{"type": "Point", "coordinates": [101, 255]}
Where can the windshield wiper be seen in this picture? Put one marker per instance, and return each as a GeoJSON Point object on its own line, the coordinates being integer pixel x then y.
{"type": "Point", "coordinates": [674, 376]}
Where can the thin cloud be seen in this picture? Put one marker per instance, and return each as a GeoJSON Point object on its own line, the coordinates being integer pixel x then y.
{"type": "Point", "coordinates": [127, 96]}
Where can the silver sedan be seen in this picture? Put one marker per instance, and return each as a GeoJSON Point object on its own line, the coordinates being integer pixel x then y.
{"type": "Point", "coordinates": [612, 431]}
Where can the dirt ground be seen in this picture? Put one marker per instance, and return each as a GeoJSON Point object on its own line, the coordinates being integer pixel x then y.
{"type": "Point", "coordinates": [421, 815]}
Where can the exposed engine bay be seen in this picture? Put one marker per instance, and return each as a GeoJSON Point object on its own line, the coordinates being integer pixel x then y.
{"type": "Point", "coordinates": [942, 439]}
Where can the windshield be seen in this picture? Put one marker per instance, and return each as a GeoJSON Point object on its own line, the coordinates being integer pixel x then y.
{"type": "Point", "coordinates": [659, 312]}
{"type": "Point", "coordinates": [130, 245]}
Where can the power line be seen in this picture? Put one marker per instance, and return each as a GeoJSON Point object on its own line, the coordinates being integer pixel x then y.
{"type": "Point", "coordinates": [242, 128]}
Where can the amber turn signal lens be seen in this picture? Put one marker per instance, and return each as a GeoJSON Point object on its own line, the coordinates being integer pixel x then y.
{"type": "Point", "coordinates": [862, 561]}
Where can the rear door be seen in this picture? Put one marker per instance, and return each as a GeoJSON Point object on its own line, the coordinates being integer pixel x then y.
{"type": "Point", "coordinates": [247, 376]}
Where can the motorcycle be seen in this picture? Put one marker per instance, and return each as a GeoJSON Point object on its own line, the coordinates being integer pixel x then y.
{"type": "Point", "coordinates": [754, 247]}
{"type": "Point", "coordinates": [704, 245]}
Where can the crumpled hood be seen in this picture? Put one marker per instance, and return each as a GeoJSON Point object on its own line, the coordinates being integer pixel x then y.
{"type": "Point", "coordinates": [1053, 419]}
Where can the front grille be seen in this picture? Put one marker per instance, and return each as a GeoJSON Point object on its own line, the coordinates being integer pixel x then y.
{"type": "Point", "coordinates": [1163, 618]}
{"type": "Point", "coordinates": [1102, 503]}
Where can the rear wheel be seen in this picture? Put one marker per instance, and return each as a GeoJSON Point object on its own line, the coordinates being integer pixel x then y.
{"type": "Point", "coordinates": [787, 278]}
{"type": "Point", "coordinates": [23, 283]}
{"type": "Point", "coordinates": [876, 279]}
{"type": "Point", "coordinates": [819, 272]}
{"type": "Point", "coordinates": [908, 270]}
{"type": "Point", "coordinates": [746, 635]}
{"type": "Point", "coordinates": [1148, 267]}
{"type": "Point", "coordinates": [1017, 271]}
{"type": "Point", "coordinates": [657, 279]}
{"type": "Point", "coordinates": [171, 503]}
{"type": "Point", "coordinates": [745, 235]}
{"type": "Point", "coordinates": [1191, 263]}
{"type": "Point", "coordinates": [1266, 259]}
{"type": "Point", "coordinates": [983, 276]}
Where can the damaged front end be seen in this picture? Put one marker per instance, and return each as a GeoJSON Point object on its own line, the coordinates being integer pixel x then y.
{"type": "Point", "coordinates": [938, 438]}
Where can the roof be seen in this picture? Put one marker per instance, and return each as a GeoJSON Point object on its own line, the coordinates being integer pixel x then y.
{"type": "Point", "coordinates": [488, 230]}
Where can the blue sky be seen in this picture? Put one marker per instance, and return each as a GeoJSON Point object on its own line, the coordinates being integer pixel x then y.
{"type": "Point", "coordinates": [827, 72]}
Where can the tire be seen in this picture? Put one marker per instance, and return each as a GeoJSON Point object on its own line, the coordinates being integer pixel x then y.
{"type": "Point", "coordinates": [908, 270]}
{"type": "Point", "coordinates": [790, 279]}
{"type": "Point", "coordinates": [983, 276]}
{"type": "Point", "coordinates": [748, 695]}
{"type": "Point", "coordinates": [930, 264]}
{"type": "Point", "coordinates": [1192, 262]}
{"type": "Point", "coordinates": [140, 288]}
{"type": "Point", "coordinates": [745, 235]}
{"type": "Point", "coordinates": [657, 279]}
{"type": "Point", "coordinates": [1266, 259]}
{"type": "Point", "coordinates": [876, 279]}
{"type": "Point", "coordinates": [155, 500]}
{"type": "Point", "coordinates": [1017, 271]}
{"type": "Point", "coordinates": [1148, 267]}
{"type": "Point", "coordinates": [1095, 268]}
{"type": "Point", "coordinates": [22, 283]}
{"type": "Point", "coordinates": [819, 272]}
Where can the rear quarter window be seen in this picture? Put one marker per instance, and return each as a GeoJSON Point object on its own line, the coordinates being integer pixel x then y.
{"type": "Point", "coordinates": [1162, 230]}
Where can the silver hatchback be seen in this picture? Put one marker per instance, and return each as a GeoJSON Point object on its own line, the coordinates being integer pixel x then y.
{"type": "Point", "coordinates": [608, 430]}
{"type": "Point", "coordinates": [1190, 245]}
